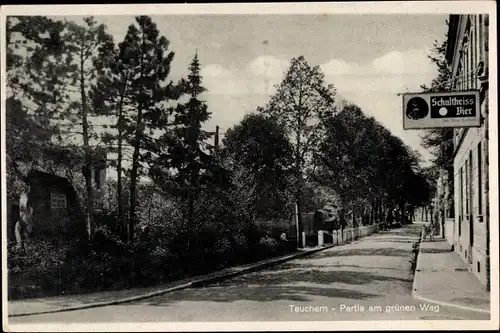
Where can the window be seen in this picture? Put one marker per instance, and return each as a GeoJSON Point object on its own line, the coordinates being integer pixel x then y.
{"type": "Point", "coordinates": [470, 196]}
{"type": "Point", "coordinates": [479, 180]}
{"type": "Point", "coordinates": [57, 200]}
{"type": "Point", "coordinates": [468, 52]}
{"type": "Point", "coordinates": [458, 79]}
{"type": "Point", "coordinates": [451, 206]}
{"type": "Point", "coordinates": [460, 202]}
{"type": "Point", "coordinates": [480, 37]}
{"type": "Point", "coordinates": [473, 51]}
{"type": "Point", "coordinates": [460, 72]}
{"type": "Point", "coordinates": [467, 188]}
{"type": "Point", "coordinates": [471, 189]}
{"type": "Point", "coordinates": [476, 51]}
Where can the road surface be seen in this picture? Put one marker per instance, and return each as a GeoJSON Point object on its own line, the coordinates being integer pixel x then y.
{"type": "Point", "coordinates": [369, 279]}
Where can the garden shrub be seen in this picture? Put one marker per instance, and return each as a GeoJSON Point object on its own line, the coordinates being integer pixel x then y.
{"type": "Point", "coordinates": [268, 246]}
{"type": "Point", "coordinates": [222, 236]}
{"type": "Point", "coordinates": [34, 271]}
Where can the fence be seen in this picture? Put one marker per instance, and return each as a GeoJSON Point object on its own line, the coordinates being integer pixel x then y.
{"type": "Point", "coordinates": [347, 235]}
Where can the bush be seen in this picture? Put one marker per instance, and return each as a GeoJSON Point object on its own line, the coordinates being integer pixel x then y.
{"type": "Point", "coordinates": [268, 246]}
{"type": "Point", "coordinates": [221, 251]}
{"type": "Point", "coordinates": [34, 272]}
{"type": "Point", "coordinates": [160, 253]}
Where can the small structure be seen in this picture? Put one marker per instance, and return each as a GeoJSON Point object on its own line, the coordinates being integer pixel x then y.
{"type": "Point", "coordinates": [56, 212]}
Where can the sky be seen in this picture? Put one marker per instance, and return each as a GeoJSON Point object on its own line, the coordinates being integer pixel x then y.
{"type": "Point", "coordinates": [368, 58]}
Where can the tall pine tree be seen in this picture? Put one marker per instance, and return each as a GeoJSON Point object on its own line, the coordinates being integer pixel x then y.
{"type": "Point", "coordinates": [38, 73]}
{"type": "Point", "coordinates": [181, 167]}
{"type": "Point", "coordinates": [111, 96]}
{"type": "Point", "coordinates": [82, 43]}
{"type": "Point", "coordinates": [150, 92]}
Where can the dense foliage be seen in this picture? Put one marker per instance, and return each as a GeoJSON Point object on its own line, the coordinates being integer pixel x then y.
{"type": "Point", "coordinates": [367, 167]}
{"type": "Point", "coordinates": [260, 156]}
{"type": "Point", "coordinates": [301, 101]}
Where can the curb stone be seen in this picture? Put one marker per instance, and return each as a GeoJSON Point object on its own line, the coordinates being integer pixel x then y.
{"type": "Point", "coordinates": [414, 287]}
{"type": "Point", "coordinates": [415, 294]}
{"type": "Point", "coordinates": [192, 284]}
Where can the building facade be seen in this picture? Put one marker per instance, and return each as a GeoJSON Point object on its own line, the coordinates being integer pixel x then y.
{"type": "Point", "coordinates": [467, 56]}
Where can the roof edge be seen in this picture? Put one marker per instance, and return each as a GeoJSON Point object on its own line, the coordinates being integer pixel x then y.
{"type": "Point", "coordinates": [452, 37]}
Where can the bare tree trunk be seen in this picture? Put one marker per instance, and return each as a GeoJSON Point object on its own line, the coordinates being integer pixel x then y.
{"type": "Point", "coordinates": [87, 168]}
{"type": "Point", "coordinates": [119, 185]}
{"type": "Point", "coordinates": [191, 201]}
{"type": "Point", "coordinates": [190, 218]}
{"type": "Point", "coordinates": [134, 175]}
{"type": "Point", "coordinates": [133, 187]}
{"type": "Point", "coordinates": [402, 212]}
{"type": "Point", "coordinates": [298, 196]}
{"type": "Point", "coordinates": [378, 212]}
{"type": "Point", "coordinates": [382, 212]}
{"type": "Point", "coordinates": [373, 212]}
{"type": "Point", "coordinates": [353, 221]}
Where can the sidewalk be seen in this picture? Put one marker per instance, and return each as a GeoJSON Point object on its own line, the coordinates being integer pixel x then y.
{"type": "Point", "coordinates": [442, 277]}
{"type": "Point", "coordinates": [85, 301]}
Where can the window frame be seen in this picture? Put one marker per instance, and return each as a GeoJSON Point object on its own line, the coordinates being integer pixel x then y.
{"type": "Point", "coordinates": [479, 178]}
{"type": "Point", "coordinates": [57, 198]}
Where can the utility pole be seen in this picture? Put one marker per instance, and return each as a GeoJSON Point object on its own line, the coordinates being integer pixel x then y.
{"type": "Point", "coordinates": [216, 138]}
{"type": "Point", "coordinates": [299, 242]}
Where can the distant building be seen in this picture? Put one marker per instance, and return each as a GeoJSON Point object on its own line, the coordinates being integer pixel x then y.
{"type": "Point", "coordinates": [467, 56]}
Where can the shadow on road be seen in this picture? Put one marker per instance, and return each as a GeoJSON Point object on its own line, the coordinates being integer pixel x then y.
{"type": "Point", "coordinates": [319, 275]}
{"type": "Point", "coordinates": [340, 266]}
{"type": "Point", "coordinates": [385, 251]}
{"type": "Point", "coordinates": [259, 293]}
{"type": "Point", "coordinates": [287, 283]}
{"type": "Point", "coordinates": [424, 250]}
{"type": "Point", "coordinates": [394, 240]}
{"type": "Point", "coordinates": [311, 275]}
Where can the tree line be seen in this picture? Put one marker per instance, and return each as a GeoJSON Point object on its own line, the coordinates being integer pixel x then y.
{"type": "Point", "coordinates": [357, 167]}
{"type": "Point", "coordinates": [62, 75]}
{"type": "Point", "coordinates": [301, 152]}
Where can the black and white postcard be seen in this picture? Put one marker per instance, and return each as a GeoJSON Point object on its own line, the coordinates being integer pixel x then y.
{"type": "Point", "coordinates": [272, 166]}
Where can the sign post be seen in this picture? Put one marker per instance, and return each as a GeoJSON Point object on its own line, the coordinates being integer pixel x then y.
{"type": "Point", "coordinates": [441, 109]}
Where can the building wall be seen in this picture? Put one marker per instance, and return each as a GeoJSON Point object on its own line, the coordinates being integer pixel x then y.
{"type": "Point", "coordinates": [470, 161]}
{"type": "Point", "coordinates": [449, 227]}
{"type": "Point", "coordinates": [446, 208]}
{"type": "Point", "coordinates": [470, 201]}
